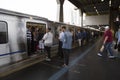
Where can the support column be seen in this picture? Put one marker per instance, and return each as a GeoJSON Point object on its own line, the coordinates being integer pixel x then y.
{"type": "Point", "coordinates": [81, 18]}
{"type": "Point", "coordinates": [113, 13]}
{"type": "Point", "coordinates": [111, 19]}
{"type": "Point", "coordinates": [60, 16]}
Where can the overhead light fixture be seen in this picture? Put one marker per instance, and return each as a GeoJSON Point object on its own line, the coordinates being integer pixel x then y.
{"type": "Point", "coordinates": [117, 18]}
{"type": "Point", "coordinates": [110, 3]}
{"type": "Point", "coordinates": [96, 10]}
{"type": "Point", "coordinates": [94, 7]}
{"type": "Point", "coordinates": [102, 0]}
{"type": "Point", "coordinates": [98, 13]}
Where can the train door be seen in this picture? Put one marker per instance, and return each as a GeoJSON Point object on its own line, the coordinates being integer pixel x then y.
{"type": "Point", "coordinates": [35, 32]}
{"type": "Point", "coordinates": [4, 47]}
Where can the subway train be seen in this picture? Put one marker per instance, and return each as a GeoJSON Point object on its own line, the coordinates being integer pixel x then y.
{"type": "Point", "coordinates": [13, 36]}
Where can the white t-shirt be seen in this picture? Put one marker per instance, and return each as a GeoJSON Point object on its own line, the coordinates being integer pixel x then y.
{"type": "Point", "coordinates": [48, 37]}
{"type": "Point", "coordinates": [61, 36]}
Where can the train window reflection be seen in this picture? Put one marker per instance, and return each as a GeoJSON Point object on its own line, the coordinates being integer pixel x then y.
{"type": "Point", "coordinates": [3, 32]}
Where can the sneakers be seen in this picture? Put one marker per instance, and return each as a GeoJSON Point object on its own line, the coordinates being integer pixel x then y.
{"type": "Point", "coordinates": [48, 59]}
{"type": "Point", "coordinates": [65, 65]}
{"type": "Point", "coordinates": [99, 54]}
{"type": "Point", "coordinates": [111, 57]}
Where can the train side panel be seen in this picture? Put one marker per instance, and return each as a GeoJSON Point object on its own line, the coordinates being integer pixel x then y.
{"type": "Point", "coordinates": [15, 46]}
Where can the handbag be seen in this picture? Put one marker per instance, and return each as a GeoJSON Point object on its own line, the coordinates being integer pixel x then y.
{"type": "Point", "coordinates": [102, 48]}
{"type": "Point", "coordinates": [48, 44]}
{"type": "Point", "coordinates": [115, 46]}
{"type": "Point", "coordinates": [118, 47]}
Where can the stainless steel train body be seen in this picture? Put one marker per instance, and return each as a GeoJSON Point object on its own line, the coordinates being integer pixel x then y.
{"type": "Point", "coordinates": [13, 37]}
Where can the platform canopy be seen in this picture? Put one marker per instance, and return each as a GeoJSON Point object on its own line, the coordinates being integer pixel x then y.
{"type": "Point", "coordinates": [96, 7]}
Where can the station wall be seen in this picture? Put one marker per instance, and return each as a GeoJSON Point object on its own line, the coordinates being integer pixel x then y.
{"type": "Point", "coordinates": [97, 20]}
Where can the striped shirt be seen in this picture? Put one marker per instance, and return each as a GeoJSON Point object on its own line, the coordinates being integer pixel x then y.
{"type": "Point", "coordinates": [29, 36]}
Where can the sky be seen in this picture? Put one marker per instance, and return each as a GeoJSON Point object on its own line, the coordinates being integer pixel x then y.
{"type": "Point", "coordinates": [42, 8]}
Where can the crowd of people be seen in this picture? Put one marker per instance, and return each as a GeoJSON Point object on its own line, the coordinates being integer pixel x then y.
{"type": "Point", "coordinates": [35, 37]}
{"type": "Point", "coordinates": [38, 39]}
{"type": "Point", "coordinates": [84, 36]}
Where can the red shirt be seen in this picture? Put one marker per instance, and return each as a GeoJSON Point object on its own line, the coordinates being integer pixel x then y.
{"type": "Point", "coordinates": [109, 34]}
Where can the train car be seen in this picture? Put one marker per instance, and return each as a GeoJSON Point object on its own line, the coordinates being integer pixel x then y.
{"type": "Point", "coordinates": [13, 34]}
{"type": "Point", "coordinates": [13, 27]}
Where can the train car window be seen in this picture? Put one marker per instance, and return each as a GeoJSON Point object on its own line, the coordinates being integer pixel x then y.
{"type": "Point", "coordinates": [3, 32]}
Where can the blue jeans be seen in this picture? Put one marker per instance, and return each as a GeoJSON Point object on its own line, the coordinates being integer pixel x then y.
{"type": "Point", "coordinates": [108, 46]}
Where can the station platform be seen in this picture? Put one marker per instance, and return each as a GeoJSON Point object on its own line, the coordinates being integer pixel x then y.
{"type": "Point", "coordinates": [85, 64]}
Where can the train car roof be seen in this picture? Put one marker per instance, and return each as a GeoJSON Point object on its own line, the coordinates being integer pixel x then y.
{"type": "Point", "coordinates": [63, 23]}
{"type": "Point", "coordinates": [13, 13]}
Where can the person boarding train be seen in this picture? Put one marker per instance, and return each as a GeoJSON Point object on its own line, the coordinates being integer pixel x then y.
{"type": "Point", "coordinates": [48, 41]}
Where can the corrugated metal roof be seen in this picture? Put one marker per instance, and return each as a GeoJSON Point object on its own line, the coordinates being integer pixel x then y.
{"type": "Point", "coordinates": [90, 6]}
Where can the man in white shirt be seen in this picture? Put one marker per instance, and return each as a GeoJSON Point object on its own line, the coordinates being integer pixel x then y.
{"type": "Point", "coordinates": [48, 41]}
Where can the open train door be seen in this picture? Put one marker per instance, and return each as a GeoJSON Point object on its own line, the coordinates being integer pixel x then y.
{"type": "Point", "coordinates": [35, 31]}
{"type": "Point", "coordinates": [4, 47]}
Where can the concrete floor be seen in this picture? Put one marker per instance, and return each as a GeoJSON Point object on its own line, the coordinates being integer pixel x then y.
{"type": "Point", "coordinates": [84, 65]}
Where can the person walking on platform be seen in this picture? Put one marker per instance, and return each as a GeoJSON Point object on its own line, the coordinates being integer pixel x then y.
{"type": "Point", "coordinates": [48, 41]}
{"type": "Point", "coordinates": [117, 35]}
{"type": "Point", "coordinates": [66, 37]}
{"type": "Point", "coordinates": [107, 43]}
